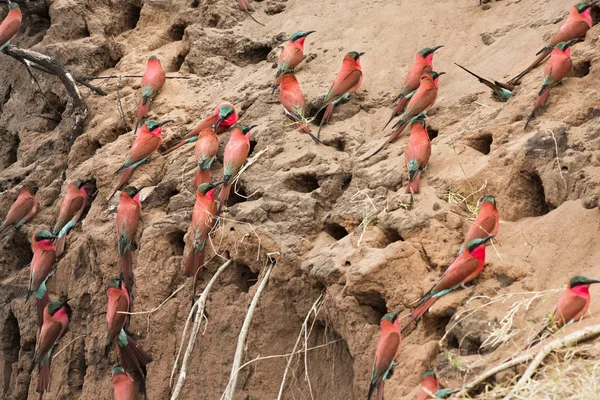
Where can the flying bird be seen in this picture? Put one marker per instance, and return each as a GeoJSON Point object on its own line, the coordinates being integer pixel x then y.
{"type": "Point", "coordinates": [347, 82]}
{"type": "Point", "coordinates": [70, 212]}
{"type": "Point", "coordinates": [152, 81]}
{"type": "Point", "coordinates": [575, 27]}
{"type": "Point", "coordinates": [20, 212]}
{"type": "Point", "coordinates": [388, 349]}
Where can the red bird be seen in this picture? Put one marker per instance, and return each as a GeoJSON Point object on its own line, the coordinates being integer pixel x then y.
{"type": "Point", "coordinates": [247, 7]}
{"type": "Point", "coordinates": [558, 67]}
{"type": "Point", "coordinates": [222, 119]}
{"type": "Point", "coordinates": [465, 268]}
{"type": "Point", "coordinates": [128, 217]}
{"type": "Point", "coordinates": [575, 27]}
{"type": "Point", "coordinates": [291, 55]}
{"type": "Point", "coordinates": [152, 81]}
{"type": "Point", "coordinates": [347, 81]}
{"type": "Point", "coordinates": [11, 25]}
{"type": "Point", "coordinates": [429, 385]}
{"type": "Point", "coordinates": [56, 321]}
{"type": "Point", "coordinates": [70, 212]}
{"type": "Point", "coordinates": [423, 63]}
{"type": "Point", "coordinates": [206, 153]}
{"type": "Point", "coordinates": [571, 307]}
{"type": "Point", "coordinates": [423, 99]}
{"type": "Point", "coordinates": [202, 223]}
{"type": "Point", "coordinates": [132, 355]}
{"type": "Point", "coordinates": [292, 99]}
{"type": "Point", "coordinates": [146, 143]}
{"type": "Point", "coordinates": [388, 349]}
{"type": "Point", "coordinates": [123, 384]}
{"type": "Point", "coordinates": [416, 156]}
{"type": "Point", "coordinates": [236, 153]}
{"type": "Point", "coordinates": [44, 256]}
{"type": "Point", "coordinates": [21, 212]}
{"type": "Point", "coordinates": [486, 223]}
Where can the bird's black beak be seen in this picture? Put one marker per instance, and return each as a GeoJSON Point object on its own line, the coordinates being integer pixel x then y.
{"type": "Point", "coordinates": [436, 48]}
{"type": "Point", "coordinates": [164, 122]}
{"type": "Point", "coordinates": [591, 3]}
{"type": "Point", "coordinates": [216, 125]}
{"type": "Point", "coordinates": [361, 53]}
{"type": "Point", "coordinates": [592, 281]}
{"type": "Point", "coordinates": [395, 314]}
{"type": "Point", "coordinates": [440, 73]}
{"type": "Point", "coordinates": [487, 239]}
{"type": "Point", "coordinates": [251, 127]}
{"type": "Point", "coordinates": [308, 33]}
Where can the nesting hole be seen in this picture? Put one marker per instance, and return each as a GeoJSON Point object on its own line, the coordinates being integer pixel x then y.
{"type": "Point", "coordinates": [177, 31]}
{"type": "Point", "coordinates": [176, 241]}
{"type": "Point", "coordinates": [372, 305]}
{"type": "Point", "coordinates": [482, 143]}
{"type": "Point", "coordinates": [10, 346]}
{"type": "Point", "coordinates": [257, 54]}
{"type": "Point", "coordinates": [581, 68]}
{"type": "Point", "coordinates": [539, 206]}
{"type": "Point", "coordinates": [246, 278]}
{"type": "Point", "coordinates": [237, 195]}
{"type": "Point", "coordinates": [392, 236]}
{"type": "Point", "coordinates": [433, 133]}
{"type": "Point", "coordinates": [335, 230]}
{"type": "Point", "coordinates": [253, 144]}
{"type": "Point", "coordinates": [303, 183]}
{"type": "Point", "coordinates": [132, 16]}
{"type": "Point", "coordinates": [595, 12]}
{"type": "Point", "coordinates": [77, 368]}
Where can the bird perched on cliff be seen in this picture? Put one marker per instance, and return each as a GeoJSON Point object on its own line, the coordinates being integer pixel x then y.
{"type": "Point", "coordinates": [123, 384]}
{"type": "Point", "coordinates": [206, 153]}
{"type": "Point", "coordinates": [10, 25]}
{"type": "Point", "coordinates": [247, 7]}
{"type": "Point", "coordinates": [44, 256]}
{"type": "Point", "coordinates": [69, 214]}
{"type": "Point", "coordinates": [222, 119]}
{"type": "Point", "coordinates": [146, 143]}
{"type": "Point", "coordinates": [131, 354]}
{"type": "Point", "coordinates": [423, 63]}
{"type": "Point", "coordinates": [557, 68]}
{"type": "Point", "coordinates": [203, 214]}
{"type": "Point", "coordinates": [575, 27]}
{"type": "Point", "coordinates": [465, 268]}
{"type": "Point", "coordinates": [20, 212]}
{"type": "Point", "coordinates": [423, 99]}
{"type": "Point", "coordinates": [416, 156]}
{"type": "Point", "coordinates": [429, 386]}
{"type": "Point", "coordinates": [347, 82]}
{"type": "Point", "coordinates": [236, 153]}
{"type": "Point", "coordinates": [56, 321]}
{"type": "Point", "coordinates": [152, 81]}
{"type": "Point", "coordinates": [388, 349]}
{"type": "Point", "coordinates": [486, 223]}
{"type": "Point", "coordinates": [571, 307]}
{"type": "Point", "coordinates": [291, 55]}
{"type": "Point", "coordinates": [292, 99]}
{"type": "Point", "coordinates": [128, 217]}
{"type": "Point", "coordinates": [500, 91]}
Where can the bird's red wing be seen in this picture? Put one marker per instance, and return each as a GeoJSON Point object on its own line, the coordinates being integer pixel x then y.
{"type": "Point", "coordinates": [9, 31]}
{"type": "Point", "coordinates": [291, 99]}
{"type": "Point", "coordinates": [573, 31]}
{"type": "Point", "coordinates": [48, 336]}
{"type": "Point", "coordinates": [483, 228]}
{"type": "Point", "coordinates": [456, 274]}
{"type": "Point", "coordinates": [568, 310]}
{"type": "Point", "coordinates": [343, 83]}
{"type": "Point", "coordinates": [386, 352]}
{"type": "Point", "coordinates": [420, 102]}
{"type": "Point", "coordinates": [142, 147]}
{"type": "Point", "coordinates": [114, 319]}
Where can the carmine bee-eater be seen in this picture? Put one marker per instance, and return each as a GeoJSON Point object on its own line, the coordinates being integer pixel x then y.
{"type": "Point", "coordinates": [236, 153]}
{"type": "Point", "coordinates": [44, 256]}
{"type": "Point", "coordinates": [292, 99]}
{"type": "Point", "coordinates": [206, 153]}
{"type": "Point", "coordinates": [203, 214]}
{"type": "Point", "coordinates": [11, 25]}
{"type": "Point", "coordinates": [347, 81]}
{"type": "Point", "coordinates": [416, 156]}
{"type": "Point", "coordinates": [388, 349]}
{"type": "Point", "coordinates": [247, 7]}
{"type": "Point", "coordinates": [429, 386]}
{"type": "Point", "coordinates": [132, 355]}
{"type": "Point", "coordinates": [146, 143]}
{"type": "Point", "coordinates": [501, 91]}
{"type": "Point", "coordinates": [575, 27]}
{"type": "Point", "coordinates": [222, 119]}
{"type": "Point", "coordinates": [423, 63]}
{"type": "Point", "coordinates": [152, 81]}
{"type": "Point", "coordinates": [291, 55]}
{"type": "Point", "coordinates": [423, 99]}
{"type": "Point", "coordinates": [571, 307]}
{"type": "Point", "coordinates": [123, 384]}
{"type": "Point", "coordinates": [558, 67]}
{"type": "Point", "coordinates": [465, 268]}
{"type": "Point", "coordinates": [128, 217]}
{"type": "Point", "coordinates": [70, 212]}
{"type": "Point", "coordinates": [56, 321]}
{"type": "Point", "coordinates": [21, 212]}
{"type": "Point", "coordinates": [486, 223]}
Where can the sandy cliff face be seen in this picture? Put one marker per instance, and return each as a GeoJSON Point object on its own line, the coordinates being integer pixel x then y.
{"type": "Point", "coordinates": [337, 223]}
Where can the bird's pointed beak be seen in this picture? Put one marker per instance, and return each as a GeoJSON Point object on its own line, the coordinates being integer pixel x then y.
{"type": "Point", "coordinates": [487, 239]}
{"type": "Point", "coordinates": [65, 301]}
{"type": "Point", "coordinates": [591, 3]}
{"type": "Point", "coordinates": [591, 281]}
{"type": "Point", "coordinates": [440, 73]}
{"type": "Point", "coordinates": [164, 122]}
{"type": "Point", "coordinates": [251, 127]}
{"type": "Point", "coordinates": [139, 189]}
{"type": "Point", "coordinates": [361, 53]}
{"type": "Point", "coordinates": [436, 47]}
{"type": "Point", "coordinates": [216, 125]}
{"type": "Point", "coordinates": [308, 33]}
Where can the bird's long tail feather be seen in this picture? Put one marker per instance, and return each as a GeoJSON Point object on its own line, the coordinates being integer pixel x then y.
{"type": "Point", "coordinates": [202, 176]}
{"type": "Point", "coordinates": [44, 378]}
{"type": "Point", "coordinates": [124, 178]}
{"type": "Point", "coordinates": [325, 119]}
{"type": "Point", "coordinates": [176, 146]}
{"type": "Point", "coordinates": [398, 109]}
{"type": "Point", "coordinates": [126, 267]}
{"type": "Point", "coordinates": [223, 196]}
{"type": "Point", "coordinates": [132, 356]}
{"type": "Point", "coordinates": [60, 245]}
{"type": "Point", "coordinates": [539, 103]}
{"type": "Point", "coordinates": [391, 139]}
{"type": "Point", "coordinates": [539, 59]}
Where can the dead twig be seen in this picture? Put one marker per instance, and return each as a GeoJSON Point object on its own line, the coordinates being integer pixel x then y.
{"type": "Point", "coordinates": [93, 78]}
{"type": "Point", "coordinates": [558, 159]}
{"type": "Point", "coordinates": [67, 345]}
